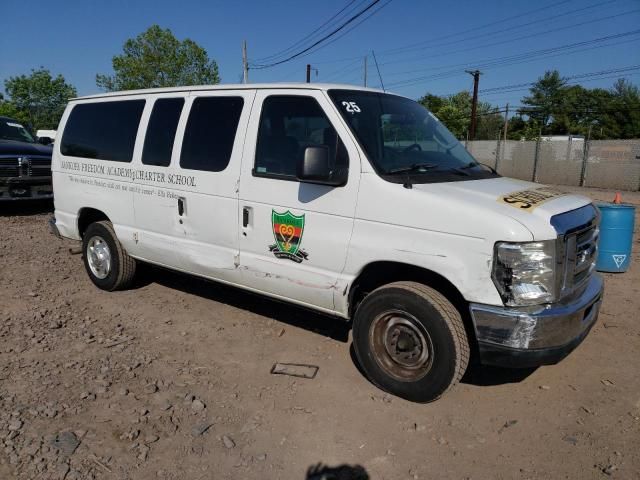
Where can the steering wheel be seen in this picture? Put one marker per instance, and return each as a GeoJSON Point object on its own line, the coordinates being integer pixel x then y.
{"type": "Point", "coordinates": [411, 148]}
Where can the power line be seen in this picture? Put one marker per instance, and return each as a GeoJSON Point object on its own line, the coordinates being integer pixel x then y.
{"type": "Point", "coordinates": [573, 13]}
{"type": "Point", "coordinates": [506, 97]}
{"type": "Point", "coordinates": [481, 27]}
{"type": "Point", "coordinates": [347, 70]}
{"type": "Point", "coordinates": [518, 58]}
{"type": "Point", "coordinates": [526, 110]}
{"type": "Point", "coordinates": [353, 27]}
{"type": "Point", "coordinates": [318, 42]}
{"type": "Point", "coordinates": [308, 36]}
{"type": "Point", "coordinates": [340, 71]}
{"type": "Point", "coordinates": [391, 51]}
{"type": "Point", "coordinates": [572, 77]}
{"type": "Point", "coordinates": [568, 84]}
{"type": "Point", "coordinates": [510, 40]}
{"type": "Point", "coordinates": [351, 60]}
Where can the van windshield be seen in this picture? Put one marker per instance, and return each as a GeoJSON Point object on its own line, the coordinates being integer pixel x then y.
{"type": "Point", "coordinates": [403, 139]}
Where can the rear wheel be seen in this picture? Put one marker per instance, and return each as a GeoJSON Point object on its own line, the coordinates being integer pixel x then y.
{"type": "Point", "coordinates": [107, 263]}
{"type": "Point", "coordinates": [410, 341]}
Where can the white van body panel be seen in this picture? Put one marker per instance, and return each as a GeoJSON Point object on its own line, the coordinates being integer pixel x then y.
{"type": "Point", "coordinates": [448, 228]}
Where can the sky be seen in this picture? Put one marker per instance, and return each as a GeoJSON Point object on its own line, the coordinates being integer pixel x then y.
{"type": "Point", "coordinates": [420, 45]}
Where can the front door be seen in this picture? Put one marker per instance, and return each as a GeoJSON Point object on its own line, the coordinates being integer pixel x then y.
{"type": "Point", "coordinates": [294, 235]}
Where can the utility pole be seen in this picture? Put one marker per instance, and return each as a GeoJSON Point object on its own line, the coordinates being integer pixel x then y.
{"type": "Point", "coordinates": [245, 64]}
{"type": "Point", "coordinates": [474, 105]}
{"type": "Point", "coordinates": [309, 68]}
{"type": "Point", "coordinates": [365, 70]}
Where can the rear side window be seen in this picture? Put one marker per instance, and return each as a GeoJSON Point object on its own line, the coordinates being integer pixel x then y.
{"type": "Point", "coordinates": [104, 131]}
{"type": "Point", "coordinates": [161, 132]}
{"type": "Point", "coordinates": [288, 125]}
{"type": "Point", "coordinates": [210, 133]}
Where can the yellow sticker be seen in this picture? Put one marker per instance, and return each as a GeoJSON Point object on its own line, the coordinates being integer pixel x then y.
{"type": "Point", "coordinates": [528, 200]}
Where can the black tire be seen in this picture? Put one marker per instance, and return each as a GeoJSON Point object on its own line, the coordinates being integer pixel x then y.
{"type": "Point", "coordinates": [393, 328]}
{"type": "Point", "coordinates": [121, 268]}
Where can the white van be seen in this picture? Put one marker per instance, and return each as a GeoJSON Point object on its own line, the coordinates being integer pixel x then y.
{"type": "Point", "coordinates": [349, 201]}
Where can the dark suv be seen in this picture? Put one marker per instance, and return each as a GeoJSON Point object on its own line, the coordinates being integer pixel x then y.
{"type": "Point", "coordinates": [25, 165]}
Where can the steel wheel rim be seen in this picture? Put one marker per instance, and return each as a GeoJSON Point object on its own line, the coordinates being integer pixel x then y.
{"type": "Point", "coordinates": [98, 257]}
{"type": "Point", "coordinates": [401, 345]}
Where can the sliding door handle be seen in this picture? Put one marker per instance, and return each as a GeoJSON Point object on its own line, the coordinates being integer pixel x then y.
{"type": "Point", "coordinates": [181, 206]}
{"type": "Point", "coordinates": [245, 217]}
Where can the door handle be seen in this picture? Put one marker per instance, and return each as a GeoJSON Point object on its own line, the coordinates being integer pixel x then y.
{"type": "Point", "coordinates": [181, 206]}
{"type": "Point", "coordinates": [245, 217]}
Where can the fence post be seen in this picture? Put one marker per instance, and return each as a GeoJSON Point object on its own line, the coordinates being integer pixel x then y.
{"type": "Point", "coordinates": [585, 158]}
{"type": "Point", "coordinates": [497, 153]}
{"type": "Point", "coordinates": [534, 176]}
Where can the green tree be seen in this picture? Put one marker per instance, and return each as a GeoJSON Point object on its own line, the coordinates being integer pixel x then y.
{"type": "Point", "coordinates": [519, 128]}
{"type": "Point", "coordinates": [37, 99]}
{"type": "Point", "coordinates": [624, 109]}
{"type": "Point", "coordinates": [156, 58]}
{"type": "Point", "coordinates": [8, 109]}
{"type": "Point", "coordinates": [546, 97]}
{"type": "Point", "coordinates": [455, 112]}
{"type": "Point", "coordinates": [597, 112]}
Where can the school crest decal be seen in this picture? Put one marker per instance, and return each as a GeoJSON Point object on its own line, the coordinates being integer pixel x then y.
{"type": "Point", "coordinates": [287, 231]}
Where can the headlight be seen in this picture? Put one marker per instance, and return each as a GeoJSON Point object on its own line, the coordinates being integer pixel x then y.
{"type": "Point", "coordinates": [524, 273]}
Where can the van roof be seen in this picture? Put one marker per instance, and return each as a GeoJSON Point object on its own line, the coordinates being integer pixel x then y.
{"type": "Point", "coordinates": [233, 86]}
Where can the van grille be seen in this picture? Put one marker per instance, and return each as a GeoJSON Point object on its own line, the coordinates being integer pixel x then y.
{"type": "Point", "coordinates": [584, 244]}
{"type": "Point", "coordinates": [577, 248]}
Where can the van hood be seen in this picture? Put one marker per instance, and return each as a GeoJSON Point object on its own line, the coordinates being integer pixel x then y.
{"type": "Point", "coordinates": [530, 204]}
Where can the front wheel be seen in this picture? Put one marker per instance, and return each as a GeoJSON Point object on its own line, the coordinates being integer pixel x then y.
{"type": "Point", "coordinates": [106, 261]}
{"type": "Point", "coordinates": [410, 341]}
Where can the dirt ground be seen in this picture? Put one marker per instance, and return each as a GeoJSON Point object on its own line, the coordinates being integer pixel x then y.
{"type": "Point", "coordinates": [171, 380]}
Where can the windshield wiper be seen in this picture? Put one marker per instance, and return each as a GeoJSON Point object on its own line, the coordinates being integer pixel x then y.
{"type": "Point", "coordinates": [463, 170]}
{"type": "Point", "coordinates": [412, 168]}
{"type": "Point", "coordinates": [470, 165]}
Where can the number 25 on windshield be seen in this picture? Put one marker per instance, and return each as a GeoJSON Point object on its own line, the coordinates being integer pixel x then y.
{"type": "Point", "coordinates": [351, 107]}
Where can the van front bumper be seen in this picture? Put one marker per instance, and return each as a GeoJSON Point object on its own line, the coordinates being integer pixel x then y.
{"type": "Point", "coordinates": [540, 335]}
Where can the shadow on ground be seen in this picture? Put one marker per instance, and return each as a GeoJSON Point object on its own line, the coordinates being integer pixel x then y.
{"type": "Point", "coordinates": [325, 325]}
{"type": "Point", "coordinates": [341, 472]}
{"type": "Point", "coordinates": [15, 208]}
{"type": "Point", "coordinates": [485, 376]}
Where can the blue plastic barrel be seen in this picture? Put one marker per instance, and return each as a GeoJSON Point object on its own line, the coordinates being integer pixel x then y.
{"type": "Point", "coordinates": [616, 237]}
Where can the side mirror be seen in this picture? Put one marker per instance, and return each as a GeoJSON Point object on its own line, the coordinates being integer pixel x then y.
{"type": "Point", "coordinates": [314, 168]}
{"type": "Point", "coordinates": [45, 140]}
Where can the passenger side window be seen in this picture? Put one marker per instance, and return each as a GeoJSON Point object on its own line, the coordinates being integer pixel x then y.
{"type": "Point", "coordinates": [210, 133]}
{"type": "Point", "coordinates": [161, 131]}
{"type": "Point", "coordinates": [102, 130]}
{"type": "Point", "coordinates": [288, 125]}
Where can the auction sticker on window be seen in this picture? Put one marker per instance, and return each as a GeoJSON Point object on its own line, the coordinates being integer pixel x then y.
{"type": "Point", "coordinates": [528, 200]}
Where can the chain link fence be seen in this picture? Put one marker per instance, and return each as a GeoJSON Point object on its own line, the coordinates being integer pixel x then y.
{"type": "Point", "coordinates": [597, 163]}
